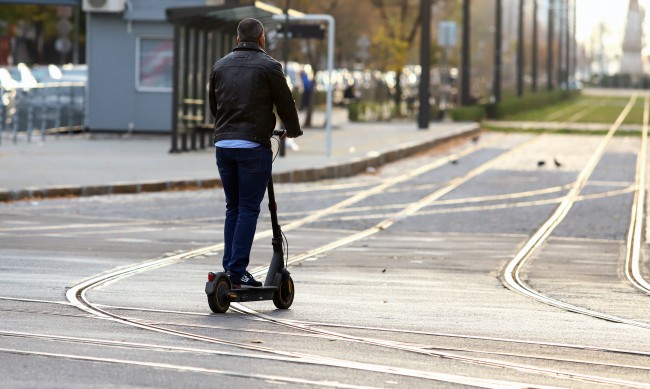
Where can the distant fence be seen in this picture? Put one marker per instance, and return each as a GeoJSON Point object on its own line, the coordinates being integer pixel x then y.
{"type": "Point", "coordinates": [45, 109]}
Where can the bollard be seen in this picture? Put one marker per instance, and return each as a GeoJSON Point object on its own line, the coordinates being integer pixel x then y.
{"type": "Point", "coordinates": [40, 109]}
{"type": "Point", "coordinates": [43, 115]}
{"type": "Point", "coordinates": [14, 121]}
{"type": "Point", "coordinates": [57, 120]}
{"type": "Point", "coordinates": [70, 110]}
{"type": "Point", "coordinates": [30, 118]}
{"type": "Point", "coordinates": [3, 113]}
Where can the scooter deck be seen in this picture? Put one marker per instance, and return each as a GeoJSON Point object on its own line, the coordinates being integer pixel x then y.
{"type": "Point", "coordinates": [251, 294]}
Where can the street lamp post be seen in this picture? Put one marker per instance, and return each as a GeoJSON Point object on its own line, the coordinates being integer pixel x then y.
{"type": "Point", "coordinates": [520, 50]}
{"type": "Point", "coordinates": [496, 85]}
{"type": "Point", "coordinates": [330, 67]}
{"type": "Point", "coordinates": [534, 53]}
{"type": "Point", "coordinates": [425, 63]}
{"type": "Point", "coordinates": [465, 59]}
{"type": "Point", "coordinates": [549, 46]}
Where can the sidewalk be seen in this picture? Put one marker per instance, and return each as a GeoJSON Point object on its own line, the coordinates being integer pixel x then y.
{"type": "Point", "coordinates": [96, 164]}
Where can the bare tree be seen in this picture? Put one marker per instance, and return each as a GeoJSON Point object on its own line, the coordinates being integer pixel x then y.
{"type": "Point", "coordinates": [351, 23]}
{"type": "Point", "coordinates": [395, 36]}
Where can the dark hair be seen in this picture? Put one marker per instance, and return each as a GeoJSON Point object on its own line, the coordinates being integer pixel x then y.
{"type": "Point", "coordinates": [250, 30]}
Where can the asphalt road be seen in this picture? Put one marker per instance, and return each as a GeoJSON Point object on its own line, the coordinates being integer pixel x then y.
{"type": "Point", "coordinates": [423, 298]}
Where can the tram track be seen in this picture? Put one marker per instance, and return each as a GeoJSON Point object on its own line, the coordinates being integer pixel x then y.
{"type": "Point", "coordinates": [77, 294]}
{"type": "Point", "coordinates": [537, 239]}
{"type": "Point", "coordinates": [383, 329]}
{"type": "Point", "coordinates": [632, 268]}
{"type": "Point", "coordinates": [511, 275]}
{"type": "Point", "coordinates": [446, 355]}
{"type": "Point", "coordinates": [121, 344]}
{"type": "Point", "coordinates": [184, 369]}
{"type": "Point", "coordinates": [569, 346]}
{"type": "Point", "coordinates": [424, 346]}
{"type": "Point", "coordinates": [490, 207]}
{"type": "Point", "coordinates": [403, 211]}
{"type": "Point", "coordinates": [148, 225]}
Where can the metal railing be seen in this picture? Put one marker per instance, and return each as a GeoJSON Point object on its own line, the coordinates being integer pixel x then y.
{"type": "Point", "coordinates": [51, 108]}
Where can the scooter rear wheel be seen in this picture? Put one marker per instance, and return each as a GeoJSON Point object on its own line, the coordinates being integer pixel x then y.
{"type": "Point", "coordinates": [218, 301]}
{"type": "Point", "coordinates": [283, 297]}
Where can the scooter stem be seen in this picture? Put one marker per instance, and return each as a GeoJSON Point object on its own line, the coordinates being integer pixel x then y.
{"type": "Point", "coordinates": [277, 261]}
{"type": "Point", "coordinates": [273, 209]}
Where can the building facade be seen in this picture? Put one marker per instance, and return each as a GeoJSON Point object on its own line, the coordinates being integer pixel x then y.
{"type": "Point", "coordinates": [631, 62]}
{"type": "Point", "coordinates": [130, 66]}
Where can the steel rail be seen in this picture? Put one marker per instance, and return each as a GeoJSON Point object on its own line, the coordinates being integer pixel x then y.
{"type": "Point", "coordinates": [632, 267]}
{"type": "Point", "coordinates": [307, 358]}
{"type": "Point", "coordinates": [380, 329]}
{"type": "Point", "coordinates": [406, 212]}
{"type": "Point", "coordinates": [628, 352]}
{"type": "Point", "coordinates": [167, 348]}
{"type": "Point", "coordinates": [447, 355]}
{"type": "Point", "coordinates": [76, 295]}
{"type": "Point", "coordinates": [186, 368]}
{"type": "Point", "coordinates": [476, 337]}
{"type": "Point", "coordinates": [202, 351]}
{"type": "Point", "coordinates": [511, 276]}
{"type": "Point", "coordinates": [519, 204]}
{"type": "Point", "coordinates": [411, 209]}
{"type": "Point", "coordinates": [161, 262]}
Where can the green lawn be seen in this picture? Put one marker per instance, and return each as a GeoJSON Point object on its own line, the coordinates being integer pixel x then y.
{"type": "Point", "coordinates": [585, 109]}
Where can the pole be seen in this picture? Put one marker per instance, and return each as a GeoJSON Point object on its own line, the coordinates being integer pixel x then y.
{"type": "Point", "coordinates": [534, 53]}
{"type": "Point", "coordinates": [330, 67]}
{"type": "Point", "coordinates": [573, 39]}
{"type": "Point", "coordinates": [285, 56]}
{"type": "Point", "coordinates": [465, 59]}
{"type": "Point", "coordinates": [75, 39]}
{"type": "Point", "coordinates": [520, 50]}
{"type": "Point", "coordinates": [567, 46]}
{"type": "Point", "coordinates": [560, 41]}
{"type": "Point", "coordinates": [175, 92]}
{"type": "Point", "coordinates": [496, 82]}
{"type": "Point", "coordinates": [424, 116]}
{"type": "Point", "coordinates": [445, 79]}
{"type": "Point", "coordinates": [549, 46]}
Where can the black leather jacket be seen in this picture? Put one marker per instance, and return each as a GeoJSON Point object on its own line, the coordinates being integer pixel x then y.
{"type": "Point", "coordinates": [244, 87]}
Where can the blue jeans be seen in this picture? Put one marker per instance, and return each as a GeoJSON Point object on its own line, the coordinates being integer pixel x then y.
{"type": "Point", "coordinates": [244, 176]}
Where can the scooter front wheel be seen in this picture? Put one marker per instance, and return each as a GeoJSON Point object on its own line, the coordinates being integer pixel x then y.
{"type": "Point", "coordinates": [218, 301]}
{"type": "Point", "coordinates": [283, 296]}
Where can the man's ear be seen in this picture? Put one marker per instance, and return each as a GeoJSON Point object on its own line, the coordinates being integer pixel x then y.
{"type": "Point", "coordinates": [262, 41]}
{"type": "Point", "coordinates": [237, 40]}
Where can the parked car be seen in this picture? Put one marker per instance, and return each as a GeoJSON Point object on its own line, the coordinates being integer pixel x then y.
{"type": "Point", "coordinates": [47, 74]}
{"type": "Point", "coordinates": [22, 75]}
{"type": "Point", "coordinates": [7, 82]}
{"type": "Point", "coordinates": [74, 73]}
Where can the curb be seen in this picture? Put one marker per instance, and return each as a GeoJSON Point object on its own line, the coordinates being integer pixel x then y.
{"type": "Point", "coordinates": [347, 169]}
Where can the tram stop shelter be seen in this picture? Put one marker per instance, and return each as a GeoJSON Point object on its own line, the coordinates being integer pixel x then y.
{"type": "Point", "coordinates": [202, 35]}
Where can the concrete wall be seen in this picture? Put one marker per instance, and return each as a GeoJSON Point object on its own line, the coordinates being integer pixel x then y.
{"type": "Point", "coordinates": [114, 101]}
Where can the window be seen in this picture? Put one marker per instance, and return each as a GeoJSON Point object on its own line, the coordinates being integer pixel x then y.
{"type": "Point", "coordinates": [155, 58]}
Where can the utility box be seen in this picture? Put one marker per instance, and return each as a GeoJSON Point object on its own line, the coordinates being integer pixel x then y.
{"type": "Point", "coordinates": [103, 5]}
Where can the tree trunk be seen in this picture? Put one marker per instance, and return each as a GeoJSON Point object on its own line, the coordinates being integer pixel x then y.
{"type": "Point", "coordinates": [398, 92]}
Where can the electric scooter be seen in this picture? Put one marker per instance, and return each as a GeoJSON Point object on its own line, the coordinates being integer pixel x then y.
{"type": "Point", "coordinates": [278, 285]}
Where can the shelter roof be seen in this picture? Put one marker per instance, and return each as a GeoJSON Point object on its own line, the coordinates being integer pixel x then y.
{"type": "Point", "coordinates": [230, 11]}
